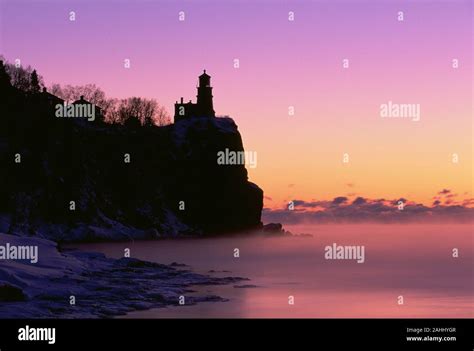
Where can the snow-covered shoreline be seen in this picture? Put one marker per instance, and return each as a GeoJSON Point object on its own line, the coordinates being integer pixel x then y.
{"type": "Point", "coordinates": [101, 287]}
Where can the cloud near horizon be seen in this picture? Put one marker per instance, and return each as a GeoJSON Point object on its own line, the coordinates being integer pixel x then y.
{"type": "Point", "coordinates": [361, 209]}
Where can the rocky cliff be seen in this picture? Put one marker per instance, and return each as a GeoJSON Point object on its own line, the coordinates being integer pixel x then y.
{"type": "Point", "coordinates": [69, 179]}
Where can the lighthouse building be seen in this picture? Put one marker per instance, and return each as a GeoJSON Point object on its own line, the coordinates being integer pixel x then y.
{"type": "Point", "coordinates": [203, 107]}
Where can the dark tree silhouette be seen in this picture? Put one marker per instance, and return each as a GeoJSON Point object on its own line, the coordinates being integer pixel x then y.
{"type": "Point", "coordinates": [21, 78]}
{"type": "Point", "coordinates": [4, 77]}
{"type": "Point", "coordinates": [34, 83]}
{"type": "Point", "coordinates": [161, 117]}
{"type": "Point", "coordinates": [146, 112]}
{"type": "Point", "coordinates": [71, 93]}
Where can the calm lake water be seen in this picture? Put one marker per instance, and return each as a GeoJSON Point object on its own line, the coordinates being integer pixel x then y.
{"type": "Point", "coordinates": [412, 261]}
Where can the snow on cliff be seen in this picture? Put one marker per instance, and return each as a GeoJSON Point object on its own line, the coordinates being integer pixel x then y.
{"type": "Point", "coordinates": [78, 186]}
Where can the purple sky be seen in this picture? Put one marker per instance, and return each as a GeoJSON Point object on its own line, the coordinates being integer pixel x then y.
{"type": "Point", "coordinates": [283, 64]}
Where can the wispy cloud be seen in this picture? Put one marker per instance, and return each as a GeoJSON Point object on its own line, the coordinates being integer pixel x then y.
{"type": "Point", "coordinates": [362, 209]}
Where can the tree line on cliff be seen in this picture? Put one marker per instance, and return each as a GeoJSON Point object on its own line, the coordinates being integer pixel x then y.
{"type": "Point", "coordinates": [133, 111]}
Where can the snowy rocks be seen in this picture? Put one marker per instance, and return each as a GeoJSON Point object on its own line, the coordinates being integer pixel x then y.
{"type": "Point", "coordinates": [274, 229]}
{"type": "Point", "coordinates": [101, 287]}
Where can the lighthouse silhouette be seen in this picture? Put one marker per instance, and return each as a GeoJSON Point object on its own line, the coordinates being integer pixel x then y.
{"type": "Point", "coordinates": [203, 108]}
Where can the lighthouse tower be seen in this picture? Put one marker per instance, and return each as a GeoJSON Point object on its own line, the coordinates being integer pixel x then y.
{"type": "Point", "coordinates": [204, 96]}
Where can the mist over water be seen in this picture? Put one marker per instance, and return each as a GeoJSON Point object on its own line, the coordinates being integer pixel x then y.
{"type": "Point", "coordinates": [412, 261]}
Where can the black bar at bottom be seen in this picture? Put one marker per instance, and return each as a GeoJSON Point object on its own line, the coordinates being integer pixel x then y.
{"type": "Point", "coordinates": [324, 334]}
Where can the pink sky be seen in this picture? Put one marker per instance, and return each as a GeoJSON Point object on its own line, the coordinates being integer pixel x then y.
{"type": "Point", "coordinates": [283, 64]}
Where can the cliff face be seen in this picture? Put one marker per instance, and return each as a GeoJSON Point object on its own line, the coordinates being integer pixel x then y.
{"type": "Point", "coordinates": [171, 185]}
{"type": "Point", "coordinates": [218, 198]}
